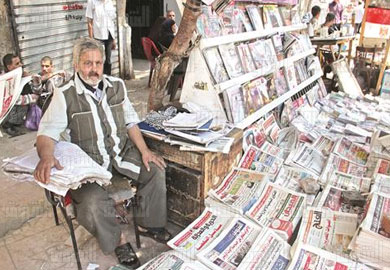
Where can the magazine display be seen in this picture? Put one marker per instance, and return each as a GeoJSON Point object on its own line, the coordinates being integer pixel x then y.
{"type": "Point", "coordinates": [254, 15]}
{"type": "Point", "coordinates": [231, 60]}
{"type": "Point", "coordinates": [374, 229]}
{"type": "Point", "coordinates": [256, 160]}
{"type": "Point", "coordinates": [289, 72]}
{"type": "Point", "coordinates": [172, 260]}
{"type": "Point", "coordinates": [253, 95]}
{"type": "Point", "coordinates": [328, 230]}
{"type": "Point", "coordinates": [254, 135]}
{"type": "Point", "coordinates": [281, 85]}
{"type": "Point", "coordinates": [244, 18]}
{"type": "Point", "coordinates": [240, 189]}
{"type": "Point", "coordinates": [231, 246]}
{"type": "Point", "coordinates": [271, 128]}
{"type": "Point", "coordinates": [264, 55]}
{"type": "Point", "coordinates": [201, 232]}
{"type": "Point", "coordinates": [215, 64]}
{"type": "Point", "coordinates": [278, 45]}
{"type": "Point", "coordinates": [272, 17]}
{"type": "Point", "coordinates": [279, 209]}
{"type": "Point", "coordinates": [246, 58]}
{"type": "Point", "coordinates": [351, 151]}
{"type": "Point", "coordinates": [234, 103]}
{"type": "Point", "coordinates": [268, 252]}
{"type": "Point", "coordinates": [313, 258]}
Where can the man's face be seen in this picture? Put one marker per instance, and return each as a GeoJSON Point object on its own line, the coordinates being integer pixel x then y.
{"type": "Point", "coordinates": [90, 67]}
{"type": "Point", "coordinates": [15, 63]}
{"type": "Point", "coordinates": [171, 15]}
{"type": "Point", "coordinates": [46, 67]}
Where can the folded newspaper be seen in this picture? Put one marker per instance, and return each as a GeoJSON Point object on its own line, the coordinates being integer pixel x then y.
{"type": "Point", "coordinates": [78, 168]}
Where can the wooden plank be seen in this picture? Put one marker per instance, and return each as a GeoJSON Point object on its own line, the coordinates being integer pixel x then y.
{"type": "Point", "coordinates": [183, 179]}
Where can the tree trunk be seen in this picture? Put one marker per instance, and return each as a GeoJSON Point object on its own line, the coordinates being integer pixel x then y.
{"type": "Point", "coordinates": [169, 60]}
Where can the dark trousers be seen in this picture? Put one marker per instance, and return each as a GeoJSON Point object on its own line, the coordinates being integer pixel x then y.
{"type": "Point", "coordinates": [107, 48]}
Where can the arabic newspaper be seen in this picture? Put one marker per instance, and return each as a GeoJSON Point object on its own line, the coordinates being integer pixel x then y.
{"type": "Point", "coordinates": [172, 260]}
{"type": "Point", "coordinates": [326, 229]}
{"type": "Point", "coordinates": [323, 145]}
{"type": "Point", "coordinates": [382, 167]}
{"type": "Point", "coordinates": [10, 89]}
{"type": "Point", "coordinates": [200, 233]}
{"type": "Point", "coordinates": [349, 182]}
{"type": "Point", "coordinates": [240, 189]}
{"type": "Point", "coordinates": [271, 149]}
{"type": "Point", "coordinates": [351, 151]}
{"type": "Point", "coordinates": [381, 184]}
{"type": "Point", "coordinates": [268, 252]}
{"type": "Point", "coordinates": [231, 246]}
{"type": "Point", "coordinates": [278, 208]}
{"type": "Point", "coordinates": [307, 158]}
{"type": "Point", "coordinates": [308, 257]}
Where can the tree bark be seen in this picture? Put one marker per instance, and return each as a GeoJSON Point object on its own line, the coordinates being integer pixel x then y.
{"type": "Point", "coordinates": [169, 60]}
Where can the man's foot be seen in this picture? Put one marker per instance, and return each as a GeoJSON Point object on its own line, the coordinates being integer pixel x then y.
{"type": "Point", "coordinates": [127, 256]}
{"type": "Point", "coordinates": [160, 235]}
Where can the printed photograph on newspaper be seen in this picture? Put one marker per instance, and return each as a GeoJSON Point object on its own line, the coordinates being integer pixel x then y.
{"type": "Point", "coordinates": [9, 91]}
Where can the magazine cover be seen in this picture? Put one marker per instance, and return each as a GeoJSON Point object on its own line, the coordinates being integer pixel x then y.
{"type": "Point", "coordinates": [278, 45]}
{"type": "Point", "coordinates": [328, 230]}
{"type": "Point", "coordinates": [280, 82]}
{"type": "Point", "coordinates": [256, 160]}
{"type": "Point", "coordinates": [246, 58]}
{"type": "Point", "coordinates": [279, 209]}
{"type": "Point", "coordinates": [228, 18]}
{"type": "Point", "coordinates": [350, 151]}
{"type": "Point", "coordinates": [264, 56]}
{"type": "Point", "coordinates": [240, 189]}
{"type": "Point", "coordinates": [254, 15]}
{"type": "Point", "coordinates": [231, 60]}
{"type": "Point", "coordinates": [234, 102]}
{"type": "Point", "coordinates": [285, 14]}
{"type": "Point", "coordinates": [215, 65]}
{"type": "Point", "coordinates": [272, 17]}
{"type": "Point", "coordinates": [254, 135]}
{"type": "Point", "coordinates": [200, 233]}
{"type": "Point", "coordinates": [244, 18]}
{"type": "Point", "coordinates": [252, 97]}
{"type": "Point", "coordinates": [231, 246]}
{"type": "Point", "coordinates": [289, 71]}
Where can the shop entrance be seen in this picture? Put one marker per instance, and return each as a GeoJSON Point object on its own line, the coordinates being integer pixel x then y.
{"type": "Point", "coordinates": [141, 15]}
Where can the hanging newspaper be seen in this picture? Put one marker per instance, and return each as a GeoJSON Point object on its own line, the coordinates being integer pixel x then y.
{"type": "Point", "coordinates": [232, 245]}
{"type": "Point", "coordinates": [307, 158]}
{"type": "Point", "coordinates": [336, 163]}
{"type": "Point", "coordinates": [326, 229]}
{"type": "Point", "coordinates": [172, 260]}
{"type": "Point", "coordinates": [278, 208]}
{"type": "Point", "coordinates": [268, 252]}
{"type": "Point", "coordinates": [11, 86]}
{"type": "Point", "coordinates": [349, 182]}
{"type": "Point", "coordinates": [290, 177]}
{"type": "Point", "coordinates": [313, 258]}
{"type": "Point", "coordinates": [381, 184]}
{"type": "Point", "coordinates": [350, 151]}
{"type": "Point", "coordinates": [374, 229]}
{"type": "Point", "coordinates": [240, 189]}
{"type": "Point", "coordinates": [256, 160]}
{"type": "Point", "coordinates": [200, 233]}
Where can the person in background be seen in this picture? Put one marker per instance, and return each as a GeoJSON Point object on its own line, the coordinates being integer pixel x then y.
{"type": "Point", "coordinates": [154, 33]}
{"type": "Point", "coordinates": [314, 22]}
{"type": "Point", "coordinates": [330, 23]}
{"type": "Point", "coordinates": [167, 33]}
{"type": "Point", "coordinates": [359, 12]}
{"type": "Point", "coordinates": [100, 18]}
{"type": "Point", "coordinates": [337, 9]}
{"type": "Point", "coordinates": [18, 113]}
{"type": "Point", "coordinates": [171, 16]}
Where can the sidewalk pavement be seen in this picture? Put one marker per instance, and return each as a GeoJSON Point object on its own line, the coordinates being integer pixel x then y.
{"type": "Point", "coordinates": [29, 238]}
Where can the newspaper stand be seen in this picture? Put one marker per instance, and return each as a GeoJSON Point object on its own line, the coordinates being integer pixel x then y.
{"type": "Point", "coordinates": [190, 175]}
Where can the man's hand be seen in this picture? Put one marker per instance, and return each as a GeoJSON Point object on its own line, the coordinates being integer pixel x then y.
{"type": "Point", "coordinates": [149, 156]}
{"type": "Point", "coordinates": [42, 171]}
{"type": "Point", "coordinates": [113, 45]}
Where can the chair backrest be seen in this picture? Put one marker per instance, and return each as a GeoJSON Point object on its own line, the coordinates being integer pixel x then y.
{"type": "Point", "coordinates": [367, 54]}
{"type": "Point", "coordinates": [150, 49]}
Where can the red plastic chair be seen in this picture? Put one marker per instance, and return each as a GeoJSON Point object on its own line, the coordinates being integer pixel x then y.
{"type": "Point", "coordinates": [151, 52]}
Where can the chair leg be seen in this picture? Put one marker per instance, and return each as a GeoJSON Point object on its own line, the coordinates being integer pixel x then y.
{"type": "Point", "coordinates": [136, 231]}
{"type": "Point", "coordinates": [73, 237]}
{"type": "Point", "coordinates": [55, 211]}
{"type": "Point", "coordinates": [150, 76]}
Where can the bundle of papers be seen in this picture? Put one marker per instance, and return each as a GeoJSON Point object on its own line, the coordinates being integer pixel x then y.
{"type": "Point", "coordinates": [78, 168]}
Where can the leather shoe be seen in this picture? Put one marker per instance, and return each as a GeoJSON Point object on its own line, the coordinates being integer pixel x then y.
{"type": "Point", "coordinates": [126, 256]}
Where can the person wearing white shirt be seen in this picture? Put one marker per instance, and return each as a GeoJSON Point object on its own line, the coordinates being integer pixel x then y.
{"type": "Point", "coordinates": [100, 18]}
{"type": "Point", "coordinates": [359, 12]}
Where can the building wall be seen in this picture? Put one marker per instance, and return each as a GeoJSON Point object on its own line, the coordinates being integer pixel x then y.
{"type": "Point", "coordinates": [6, 44]}
{"type": "Point", "coordinates": [176, 6]}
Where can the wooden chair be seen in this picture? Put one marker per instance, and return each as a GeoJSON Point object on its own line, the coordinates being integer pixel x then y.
{"type": "Point", "coordinates": [121, 191]}
{"type": "Point", "coordinates": [151, 52]}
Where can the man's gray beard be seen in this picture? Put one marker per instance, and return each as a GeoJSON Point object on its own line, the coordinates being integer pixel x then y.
{"type": "Point", "coordinates": [88, 81]}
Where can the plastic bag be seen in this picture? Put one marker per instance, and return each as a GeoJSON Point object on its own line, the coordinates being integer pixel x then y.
{"type": "Point", "coordinates": [34, 115]}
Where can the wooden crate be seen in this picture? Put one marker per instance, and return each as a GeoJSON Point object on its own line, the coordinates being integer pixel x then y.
{"type": "Point", "coordinates": [190, 175]}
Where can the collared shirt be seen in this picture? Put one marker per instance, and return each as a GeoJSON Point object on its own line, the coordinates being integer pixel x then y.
{"type": "Point", "coordinates": [102, 12]}
{"type": "Point", "coordinates": [337, 10]}
{"type": "Point", "coordinates": [98, 126]}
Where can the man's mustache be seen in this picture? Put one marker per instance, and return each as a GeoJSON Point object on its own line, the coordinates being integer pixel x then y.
{"type": "Point", "coordinates": [93, 74]}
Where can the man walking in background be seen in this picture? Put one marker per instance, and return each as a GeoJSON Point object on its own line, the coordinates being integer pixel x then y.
{"type": "Point", "coordinates": [100, 17]}
{"type": "Point", "coordinates": [337, 9]}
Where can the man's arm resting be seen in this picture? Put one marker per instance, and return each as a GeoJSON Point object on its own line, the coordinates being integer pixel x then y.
{"type": "Point", "coordinates": [45, 148]}
{"type": "Point", "coordinates": [90, 27]}
{"type": "Point", "coordinates": [147, 156]}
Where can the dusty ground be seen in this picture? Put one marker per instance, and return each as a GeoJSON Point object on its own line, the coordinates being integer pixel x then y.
{"type": "Point", "coordinates": [29, 238]}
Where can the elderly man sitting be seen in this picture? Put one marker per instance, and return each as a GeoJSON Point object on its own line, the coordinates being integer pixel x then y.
{"type": "Point", "coordinates": [96, 111]}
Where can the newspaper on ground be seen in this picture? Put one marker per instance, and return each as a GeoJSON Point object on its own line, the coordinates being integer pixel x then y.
{"type": "Point", "coordinates": [371, 244]}
{"type": "Point", "coordinates": [307, 257]}
{"type": "Point", "coordinates": [240, 189]}
{"type": "Point", "coordinates": [327, 229]}
{"type": "Point", "coordinates": [323, 145]}
{"type": "Point", "coordinates": [256, 160]}
{"type": "Point", "coordinates": [201, 232]}
{"type": "Point", "coordinates": [229, 249]}
{"type": "Point", "coordinates": [268, 252]}
{"type": "Point", "coordinates": [351, 151]}
{"type": "Point", "coordinates": [349, 182]}
{"type": "Point", "coordinates": [78, 168]}
{"type": "Point", "coordinates": [382, 167]}
{"type": "Point", "coordinates": [381, 184]}
{"type": "Point", "coordinates": [271, 149]}
{"type": "Point", "coordinates": [307, 158]}
{"type": "Point", "coordinates": [279, 209]}
{"type": "Point", "coordinates": [173, 260]}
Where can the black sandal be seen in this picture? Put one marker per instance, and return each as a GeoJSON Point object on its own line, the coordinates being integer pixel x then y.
{"type": "Point", "coordinates": [126, 256]}
{"type": "Point", "coordinates": [160, 235]}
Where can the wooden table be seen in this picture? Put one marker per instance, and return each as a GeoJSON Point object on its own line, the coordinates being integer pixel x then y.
{"type": "Point", "coordinates": [190, 175]}
{"type": "Point", "coordinates": [320, 42]}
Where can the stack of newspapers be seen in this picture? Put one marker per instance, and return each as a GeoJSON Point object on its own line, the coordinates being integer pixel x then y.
{"type": "Point", "coordinates": [78, 168]}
